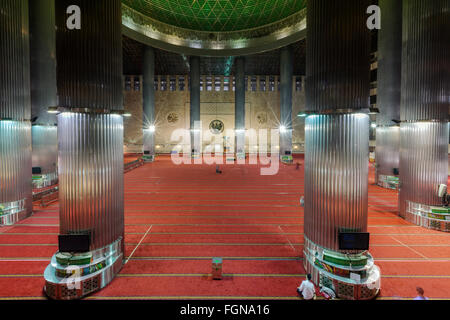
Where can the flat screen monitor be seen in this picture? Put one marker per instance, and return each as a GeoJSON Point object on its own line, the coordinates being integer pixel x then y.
{"type": "Point", "coordinates": [74, 243]}
{"type": "Point", "coordinates": [36, 170]}
{"type": "Point", "coordinates": [354, 241]}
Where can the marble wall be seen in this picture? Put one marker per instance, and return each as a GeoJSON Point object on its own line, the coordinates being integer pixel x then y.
{"type": "Point", "coordinates": [216, 103]}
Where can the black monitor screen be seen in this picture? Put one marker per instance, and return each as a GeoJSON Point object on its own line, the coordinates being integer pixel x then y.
{"type": "Point", "coordinates": [354, 241]}
{"type": "Point", "coordinates": [74, 243]}
{"type": "Point", "coordinates": [36, 170]}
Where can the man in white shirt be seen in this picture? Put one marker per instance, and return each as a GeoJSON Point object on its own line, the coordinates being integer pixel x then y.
{"type": "Point", "coordinates": [307, 289]}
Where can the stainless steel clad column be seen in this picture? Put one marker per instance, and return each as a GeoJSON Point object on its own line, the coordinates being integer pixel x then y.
{"type": "Point", "coordinates": [387, 152]}
{"type": "Point", "coordinates": [43, 91]}
{"type": "Point", "coordinates": [90, 137]}
{"type": "Point", "coordinates": [149, 103]}
{"type": "Point", "coordinates": [15, 127]}
{"type": "Point", "coordinates": [286, 73]}
{"type": "Point", "coordinates": [196, 145]}
{"type": "Point", "coordinates": [239, 111]}
{"type": "Point", "coordinates": [337, 146]}
{"type": "Point", "coordinates": [424, 109]}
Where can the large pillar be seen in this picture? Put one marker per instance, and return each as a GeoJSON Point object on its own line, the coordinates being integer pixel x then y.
{"type": "Point", "coordinates": [15, 127]}
{"type": "Point", "coordinates": [43, 92]}
{"type": "Point", "coordinates": [286, 73]}
{"type": "Point", "coordinates": [424, 110]}
{"type": "Point", "coordinates": [196, 146]}
{"type": "Point", "coordinates": [239, 111]}
{"type": "Point", "coordinates": [387, 152]}
{"type": "Point", "coordinates": [149, 103]}
{"type": "Point", "coordinates": [337, 146]}
{"type": "Point", "coordinates": [90, 138]}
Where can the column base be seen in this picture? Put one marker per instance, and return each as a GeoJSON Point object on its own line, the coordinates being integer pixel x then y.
{"type": "Point", "coordinates": [351, 277]}
{"type": "Point", "coordinates": [195, 155]}
{"type": "Point", "coordinates": [388, 182]}
{"type": "Point", "coordinates": [45, 180]}
{"type": "Point", "coordinates": [430, 217]}
{"type": "Point", "coordinates": [240, 156]}
{"type": "Point", "coordinates": [148, 158]}
{"type": "Point", "coordinates": [13, 212]}
{"type": "Point", "coordinates": [287, 159]}
{"type": "Point", "coordinates": [74, 276]}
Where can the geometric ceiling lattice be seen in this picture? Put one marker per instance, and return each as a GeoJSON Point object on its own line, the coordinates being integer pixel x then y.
{"type": "Point", "coordinates": [217, 15]}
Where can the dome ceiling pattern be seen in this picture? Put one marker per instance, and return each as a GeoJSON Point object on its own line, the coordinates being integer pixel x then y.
{"type": "Point", "coordinates": [217, 15]}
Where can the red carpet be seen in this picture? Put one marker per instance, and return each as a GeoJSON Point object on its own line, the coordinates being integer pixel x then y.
{"type": "Point", "coordinates": [182, 216]}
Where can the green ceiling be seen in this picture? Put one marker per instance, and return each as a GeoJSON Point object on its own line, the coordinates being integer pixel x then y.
{"type": "Point", "coordinates": [217, 15]}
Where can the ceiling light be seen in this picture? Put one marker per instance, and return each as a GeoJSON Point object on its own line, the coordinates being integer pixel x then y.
{"type": "Point", "coordinates": [53, 110]}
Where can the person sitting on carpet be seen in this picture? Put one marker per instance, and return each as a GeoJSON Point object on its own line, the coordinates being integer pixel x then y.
{"type": "Point", "coordinates": [307, 289]}
{"type": "Point", "coordinates": [420, 295]}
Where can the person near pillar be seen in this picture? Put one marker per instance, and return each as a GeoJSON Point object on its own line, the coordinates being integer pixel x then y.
{"type": "Point", "coordinates": [307, 289]}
